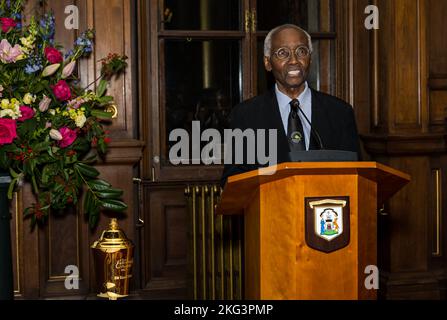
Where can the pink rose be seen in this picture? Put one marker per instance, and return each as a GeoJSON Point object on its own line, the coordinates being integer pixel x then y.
{"type": "Point", "coordinates": [7, 24]}
{"type": "Point", "coordinates": [61, 90]}
{"type": "Point", "coordinates": [27, 113]}
{"type": "Point", "coordinates": [53, 55]}
{"type": "Point", "coordinates": [8, 131]}
{"type": "Point", "coordinates": [68, 137]}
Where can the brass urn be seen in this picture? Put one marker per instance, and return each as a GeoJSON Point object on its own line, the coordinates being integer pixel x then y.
{"type": "Point", "coordinates": [113, 260]}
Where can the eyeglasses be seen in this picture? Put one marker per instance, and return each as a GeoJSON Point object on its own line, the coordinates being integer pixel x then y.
{"type": "Point", "coordinates": [285, 53]}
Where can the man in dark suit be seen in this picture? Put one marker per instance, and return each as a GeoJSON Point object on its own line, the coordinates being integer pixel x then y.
{"type": "Point", "coordinates": [287, 54]}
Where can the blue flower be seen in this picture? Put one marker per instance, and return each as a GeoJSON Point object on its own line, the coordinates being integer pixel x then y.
{"type": "Point", "coordinates": [84, 41]}
{"type": "Point", "coordinates": [34, 64]}
{"type": "Point", "coordinates": [69, 54]}
{"type": "Point", "coordinates": [47, 24]}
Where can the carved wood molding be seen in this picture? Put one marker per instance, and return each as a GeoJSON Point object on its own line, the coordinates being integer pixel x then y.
{"type": "Point", "coordinates": [423, 144]}
{"type": "Point", "coordinates": [124, 152]}
{"type": "Point", "coordinates": [438, 82]}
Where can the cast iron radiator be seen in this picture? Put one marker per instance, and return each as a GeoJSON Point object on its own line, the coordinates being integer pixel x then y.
{"type": "Point", "coordinates": [215, 246]}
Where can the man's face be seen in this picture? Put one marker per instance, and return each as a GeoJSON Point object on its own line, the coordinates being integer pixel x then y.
{"type": "Point", "coordinates": [291, 73]}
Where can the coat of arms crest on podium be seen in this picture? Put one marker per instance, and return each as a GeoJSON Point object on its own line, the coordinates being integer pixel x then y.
{"type": "Point", "coordinates": [327, 223]}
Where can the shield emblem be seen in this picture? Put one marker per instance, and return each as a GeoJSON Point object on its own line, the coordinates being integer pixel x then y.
{"type": "Point", "coordinates": [327, 223]}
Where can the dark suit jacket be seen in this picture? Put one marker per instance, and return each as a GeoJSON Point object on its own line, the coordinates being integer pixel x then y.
{"type": "Point", "coordinates": [331, 117]}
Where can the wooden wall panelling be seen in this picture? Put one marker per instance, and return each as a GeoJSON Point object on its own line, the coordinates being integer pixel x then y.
{"type": "Point", "coordinates": [437, 239]}
{"type": "Point", "coordinates": [409, 222]}
{"type": "Point", "coordinates": [437, 55]}
{"type": "Point", "coordinates": [29, 268]}
{"type": "Point", "coordinates": [383, 59]}
{"type": "Point", "coordinates": [361, 79]}
{"type": "Point", "coordinates": [344, 60]}
{"type": "Point", "coordinates": [164, 241]}
{"type": "Point", "coordinates": [406, 86]}
{"type": "Point", "coordinates": [402, 66]}
{"type": "Point", "coordinates": [404, 112]}
{"type": "Point", "coordinates": [112, 21]}
{"type": "Point", "coordinates": [17, 244]}
{"type": "Point", "coordinates": [437, 49]}
{"type": "Point", "coordinates": [403, 237]}
{"type": "Point", "coordinates": [145, 84]}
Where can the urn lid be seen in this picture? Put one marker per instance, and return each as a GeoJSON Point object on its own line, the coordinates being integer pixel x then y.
{"type": "Point", "coordinates": [112, 238]}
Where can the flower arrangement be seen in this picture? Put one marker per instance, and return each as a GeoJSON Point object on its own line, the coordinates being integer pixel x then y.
{"type": "Point", "coordinates": [51, 129]}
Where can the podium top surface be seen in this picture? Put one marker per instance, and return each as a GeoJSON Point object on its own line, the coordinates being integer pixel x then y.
{"type": "Point", "coordinates": [240, 186]}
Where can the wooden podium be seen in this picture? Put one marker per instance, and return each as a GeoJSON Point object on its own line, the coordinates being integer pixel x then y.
{"type": "Point", "coordinates": [294, 248]}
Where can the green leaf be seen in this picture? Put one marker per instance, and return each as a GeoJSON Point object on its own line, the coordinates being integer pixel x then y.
{"type": "Point", "coordinates": [11, 188]}
{"type": "Point", "coordinates": [4, 160]}
{"type": "Point", "coordinates": [86, 170]}
{"type": "Point", "coordinates": [35, 188]}
{"type": "Point", "coordinates": [66, 175]}
{"type": "Point", "coordinates": [27, 212]}
{"type": "Point", "coordinates": [88, 201]}
{"type": "Point", "coordinates": [102, 114]}
{"type": "Point", "coordinates": [93, 217]}
{"type": "Point", "coordinates": [91, 159]}
{"type": "Point", "coordinates": [13, 173]}
{"type": "Point", "coordinates": [39, 147]}
{"type": "Point", "coordinates": [102, 147]}
{"type": "Point", "coordinates": [47, 171]}
{"type": "Point", "coordinates": [114, 205]}
{"type": "Point", "coordinates": [33, 222]}
{"type": "Point", "coordinates": [103, 101]}
{"type": "Point", "coordinates": [28, 127]}
{"type": "Point", "coordinates": [99, 185]}
{"type": "Point", "coordinates": [38, 88]}
{"type": "Point", "coordinates": [110, 193]}
{"type": "Point", "coordinates": [102, 87]}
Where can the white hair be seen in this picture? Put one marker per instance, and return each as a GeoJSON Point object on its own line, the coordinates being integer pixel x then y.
{"type": "Point", "coordinates": [268, 39]}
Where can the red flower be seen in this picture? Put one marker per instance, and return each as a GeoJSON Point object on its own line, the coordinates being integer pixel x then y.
{"type": "Point", "coordinates": [71, 153]}
{"type": "Point", "coordinates": [61, 90]}
{"type": "Point", "coordinates": [68, 137]}
{"type": "Point", "coordinates": [8, 131]}
{"type": "Point", "coordinates": [27, 113]}
{"type": "Point", "coordinates": [53, 55]}
{"type": "Point", "coordinates": [7, 24]}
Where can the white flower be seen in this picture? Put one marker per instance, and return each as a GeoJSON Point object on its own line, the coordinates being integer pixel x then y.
{"type": "Point", "coordinates": [29, 98]}
{"type": "Point", "coordinates": [80, 120]}
{"type": "Point", "coordinates": [44, 104]}
{"type": "Point", "coordinates": [50, 70]}
{"type": "Point", "coordinates": [68, 70]}
{"type": "Point", "coordinates": [55, 135]}
{"type": "Point", "coordinates": [8, 113]}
